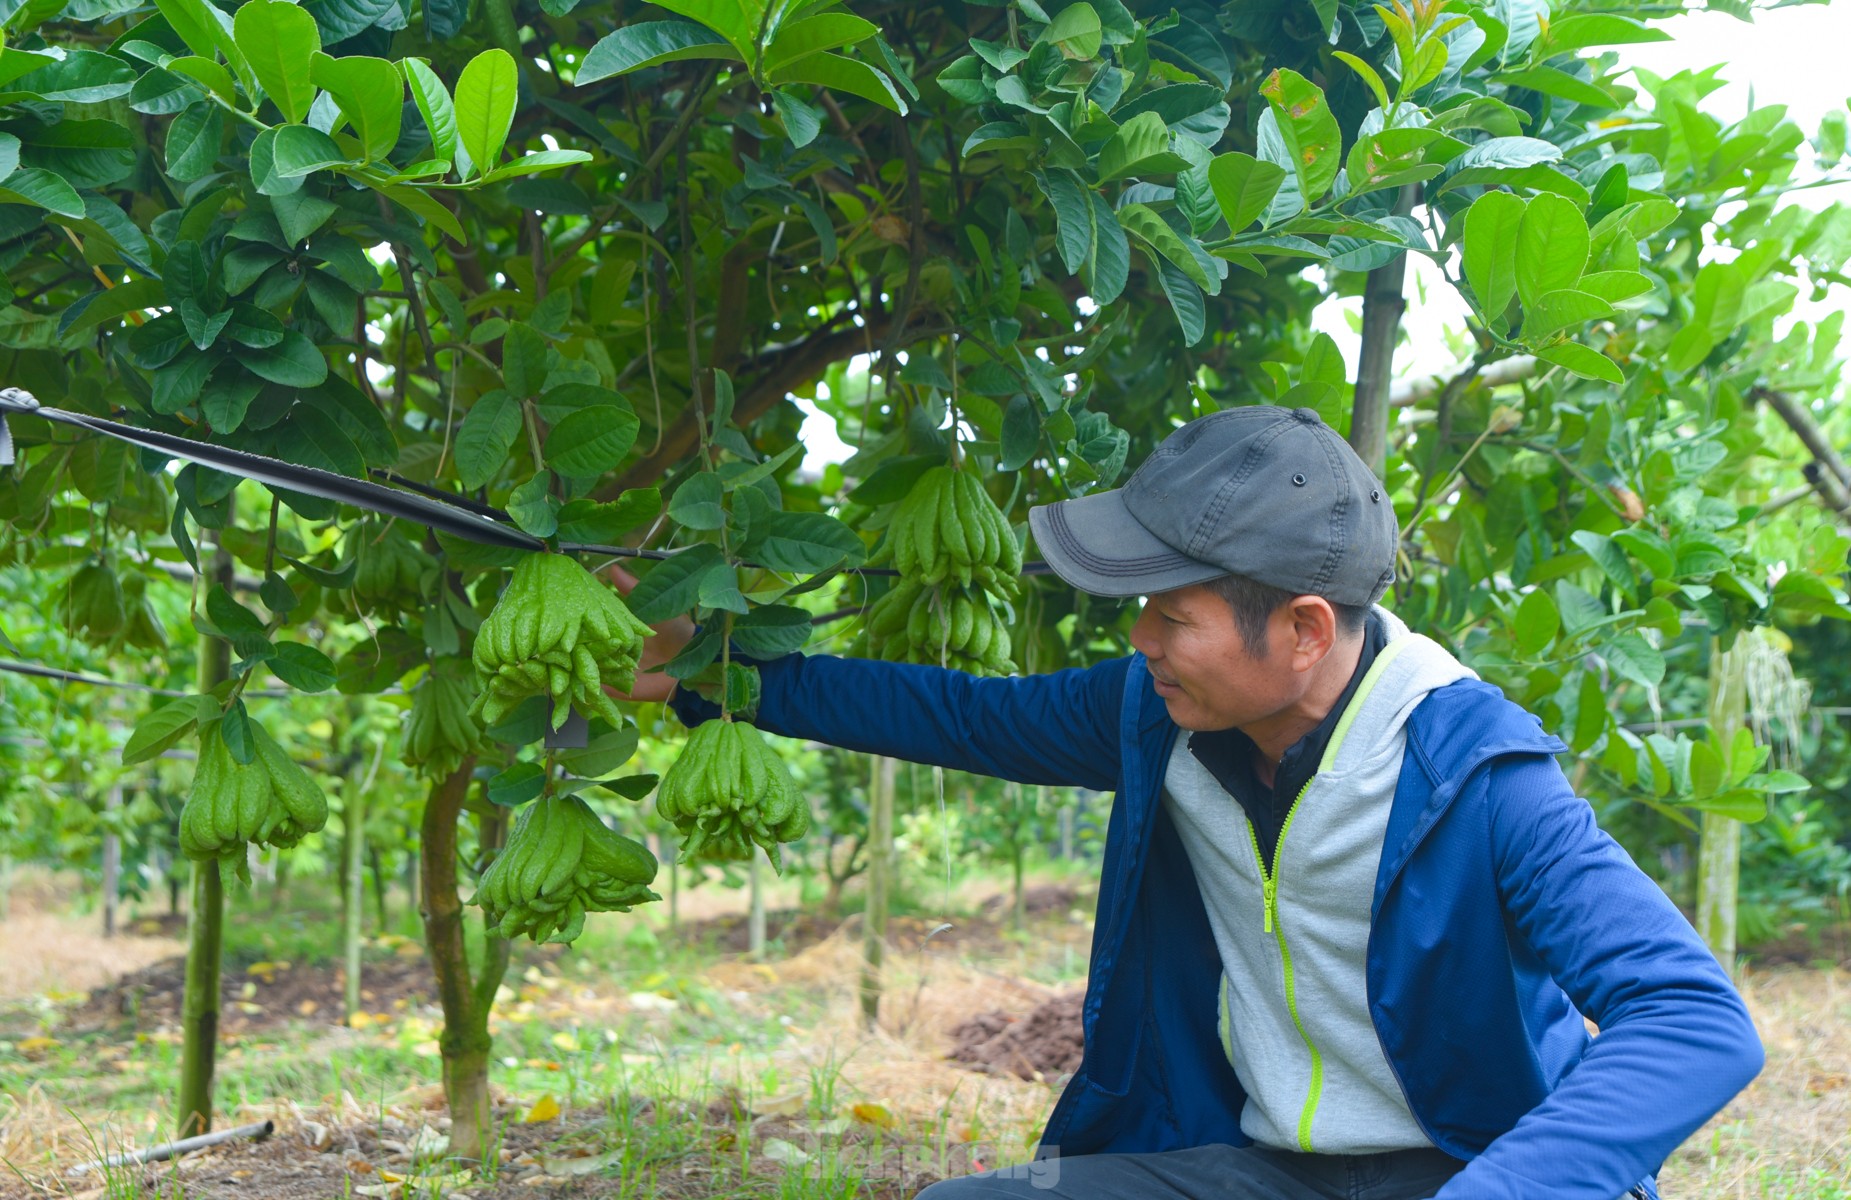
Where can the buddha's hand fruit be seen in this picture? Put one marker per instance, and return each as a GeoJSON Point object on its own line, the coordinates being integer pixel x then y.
{"type": "Point", "coordinates": [560, 863]}
{"type": "Point", "coordinates": [439, 731]}
{"type": "Point", "coordinates": [557, 632]}
{"type": "Point", "coordinates": [728, 792]}
{"type": "Point", "coordinates": [270, 801]}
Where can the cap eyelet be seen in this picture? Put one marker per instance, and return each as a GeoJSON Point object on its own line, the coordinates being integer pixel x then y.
{"type": "Point", "coordinates": [1298, 481]}
{"type": "Point", "coordinates": [1375, 495]}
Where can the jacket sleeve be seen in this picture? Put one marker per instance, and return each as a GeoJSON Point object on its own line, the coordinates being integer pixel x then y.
{"type": "Point", "coordinates": [1060, 729]}
{"type": "Point", "coordinates": [1676, 1042]}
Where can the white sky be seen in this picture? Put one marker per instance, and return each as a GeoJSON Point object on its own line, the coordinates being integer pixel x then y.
{"type": "Point", "coordinates": [1793, 56]}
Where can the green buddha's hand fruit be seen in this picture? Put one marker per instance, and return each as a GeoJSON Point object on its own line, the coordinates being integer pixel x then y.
{"type": "Point", "coordinates": [959, 567]}
{"type": "Point", "coordinates": [439, 731]}
{"type": "Point", "coordinates": [270, 801]}
{"type": "Point", "coordinates": [728, 792]}
{"type": "Point", "coordinates": [560, 863]}
{"type": "Point", "coordinates": [556, 632]}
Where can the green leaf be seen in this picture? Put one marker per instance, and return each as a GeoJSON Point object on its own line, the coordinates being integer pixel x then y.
{"type": "Point", "coordinates": [1244, 187]}
{"type": "Point", "coordinates": [1143, 220]}
{"type": "Point", "coordinates": [1650, 550]}
{"type": "Point", "coordinates": [517, 785]}
{"type": "Point", "coordinates": [298, 215]}
{"type": "Point", "coordinates": [485, 437]}
{"type": "Point", "coordinates": [235, 729]}
{"type": "Point", "coordinates": [1312, 138]}
{"type": "Point", "coordinates": [813, 34]}
{"type": "Point", "coordinates": [41, 188]}
{"type": "Point", "coordinates": [1738, 804]}
{"type": "Point", "coordinates": [1614, 286]}
{"type": "Point", "coordinates": [196, 22]}
{"type": "Point", "coordinates": [772, 631]}
{"type": "Point", "coordinates": [1583, 361]}
{"type": "Point", "coordinates": [342, 19]}
{"type": "Point", "coordinates": [1535, 624]}
{"type": "Point", "coordinates": [1075, 31]}
{"type": "Point", "coordinates": [1140, 147]}
{"type": "Point", "coordinates": [672, 586]}
{"type": "Point", "coordinates": [1560, 309]}
{"type": "Point", "coordinates": [1777, 783]}
{"type": "Point", "coordinates": [539, 160]}
{"type": "Point", "coordinates": [806, 543]}
{"type": "Point", "coordinates": [533, 507]}
{"type": "Point", "coordinates": [696, 503]}
{"type": "Point", "coordinates": [370, 94]}
{"type": "Point", "coordinates": [293, 362]}
{"type": "Point", "coordinates": [1590, 713]}
{"type": "Point", "coordinates": [425, 205]}
{"type": "Point", "coordinates": [1186, 303]}
{"type": "Point", "coordinates": [434, 105]}
{"type": "Point", "coordinates": [649, 44]}
{"type": "Point", "coordinates": [524, 357]}
{"type": "Point", "coordinates": [299, 150]}
{"type": "Point", "coordinates": [1581, 30]}
{"type": "Point", "coordinates": [302, 667]}
{"type": "Point", "coordinates": [1367, 74]}
{"type": "Point", "coordinates": [1552, 248]}
{"type": "Point", "coordinates": [603, 524]}
{"type": "Point", "coordinates": [485, 96]}
{"type": "Point", "coordinates": [161, 730]}
{"type": "Point", "coordinates": [1632, 657]}
{"type": "Point", "coordinates": [193, 141]}
{"type": "Point", "coordinates": [1021, 434]}
{"type": "Point", "coordinates": [1492, 225]}
{"type": "Point", "coordinates": [279, 40]}
{"type": "Point", "coordinates": [81, 77]}
{"type": "Point", "coordinates": [591, 441]}
{"type": "Point", "coordinates": [841, 74]}
{"type": "Point", "coordinates": [1609, 558]}
{"type": "Point", "coordinates": [1560, 84]}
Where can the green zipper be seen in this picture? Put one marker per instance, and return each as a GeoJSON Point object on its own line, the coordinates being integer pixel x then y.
{"type": "Point", "coordinates": [1269, 885]}
{"type": "Point", "coordinates": [1269, 889]}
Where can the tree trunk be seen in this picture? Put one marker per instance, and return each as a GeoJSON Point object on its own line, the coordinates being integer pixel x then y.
{"type": "Point", "coordinates": [1719, 853]}
{"type": "Point", "coordinates": [1383, 304]}
{"type": "Point", "coordinates": [1019, 910]}
{"type": "Point", "coordinates": [755, 916]}
{"type": "Point", "coordinates": [465, 996]}
{"type": "Point", "coordinates": [112, 864]}
{"type": "Point", "coordinates": [379, 885]}
{"type": "Point", "coordinates": [354, 819]}
{"type": "Point", "coordinates": [205, 929]}
{"type": "Point", "coordinates": [880, 869]}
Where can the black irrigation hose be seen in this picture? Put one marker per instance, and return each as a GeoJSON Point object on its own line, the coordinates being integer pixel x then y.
{"type": "Point", "coordinates": [424, 505]}
{"type": "Point", "coordinates": [33, 669]}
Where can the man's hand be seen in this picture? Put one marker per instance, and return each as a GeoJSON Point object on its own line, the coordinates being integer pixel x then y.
{"type": "Point", "coordinates": [670, 637]}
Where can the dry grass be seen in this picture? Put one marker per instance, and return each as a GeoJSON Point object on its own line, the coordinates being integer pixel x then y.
{"type": "Point", "coordinates": [1796, 1118]}
{"type": "Point", "coordinates": [47, 950]}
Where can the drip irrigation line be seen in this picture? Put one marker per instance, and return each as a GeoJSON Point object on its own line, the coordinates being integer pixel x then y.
{"type": "Point", "coordinates": [409, 500]}
{"type": "Point", "coordinates": [53, 673]}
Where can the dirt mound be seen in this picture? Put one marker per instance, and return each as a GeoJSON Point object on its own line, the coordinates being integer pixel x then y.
{"type": "Point", "coordinates": [1038, 899]}
{"type": "Point", "coordinates": [259, 997]}
{"type": "Point", "coordinates": [1042, 1046]}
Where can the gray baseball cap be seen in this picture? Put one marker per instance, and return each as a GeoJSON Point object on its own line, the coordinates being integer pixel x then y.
{"type": "Point", "coordinates": [1270, 493]}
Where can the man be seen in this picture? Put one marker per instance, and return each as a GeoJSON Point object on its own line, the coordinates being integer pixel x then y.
{"type": "Point", "coordinates": [1351, 914]}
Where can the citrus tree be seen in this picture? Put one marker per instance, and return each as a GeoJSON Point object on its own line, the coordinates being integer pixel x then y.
{"type": "Point", "coordinates": [397, 317]}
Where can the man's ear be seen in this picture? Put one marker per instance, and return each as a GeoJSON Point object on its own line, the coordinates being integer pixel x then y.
{"type": "Point", "coordinates": [1314, 630]}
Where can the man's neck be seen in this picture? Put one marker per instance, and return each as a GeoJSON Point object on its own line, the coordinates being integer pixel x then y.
{"type": "Point", "coordinates": [1276, 734]}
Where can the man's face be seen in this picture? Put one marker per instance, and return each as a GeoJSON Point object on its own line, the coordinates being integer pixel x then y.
{"type": "Point", "coordinates": [1202, 667]}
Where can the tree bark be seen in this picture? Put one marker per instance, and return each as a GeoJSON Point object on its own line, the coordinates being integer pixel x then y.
{"type": "Point", "coordinates": [1383, 304]}
{"type": "Point", "coordinates": [205, 931]}
{"type": "Point", "coordinates": [465, 996]}
{"type": "Point", "coordinates": [880, 869]}
{"type": "Point", "coordinates": [755, 915]}
{"type": "Point", "coordinates": [112, 864]}
{"type": "Point", "coordinates": [1719, 851]}
{"type": "Point", "coordinates": [354, 819]}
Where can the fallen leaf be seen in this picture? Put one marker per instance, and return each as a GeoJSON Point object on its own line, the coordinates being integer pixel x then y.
{"type": "Point", "coordinates": [544, 1109]}
{"type": "Point", "coordinates": [590, 1164]}
{"type": "Point", "coordinates": [787, 1105]}
{"type": "Point", "coordinates": [875, 1115]}
{"type": "Point", "coordinates": [779, 1150]}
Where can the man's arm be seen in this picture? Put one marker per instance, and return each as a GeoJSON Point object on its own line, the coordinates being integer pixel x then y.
{"type": "Point", "coordinates": [1676, 1042]}
{"type": "Point", "coordinates": [1059, 729]}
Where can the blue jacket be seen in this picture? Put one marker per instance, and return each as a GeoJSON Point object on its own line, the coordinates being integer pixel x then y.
{"type": "Point", "coordinates": [1502, 915]}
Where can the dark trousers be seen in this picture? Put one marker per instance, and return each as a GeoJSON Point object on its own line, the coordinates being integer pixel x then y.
{"type": "Point", "coordinates": [1212, 1173]}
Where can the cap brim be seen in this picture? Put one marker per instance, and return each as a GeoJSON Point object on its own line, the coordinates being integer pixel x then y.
{"type": "Point", "coordinates": [1095, 544]}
